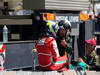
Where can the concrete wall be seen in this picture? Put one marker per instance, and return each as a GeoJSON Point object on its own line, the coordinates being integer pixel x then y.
{"type": "Point", "coordinates": [69, 72]}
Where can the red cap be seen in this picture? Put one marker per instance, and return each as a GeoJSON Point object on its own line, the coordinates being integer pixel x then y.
{"type": "Point", "coordinates": [91, 41]}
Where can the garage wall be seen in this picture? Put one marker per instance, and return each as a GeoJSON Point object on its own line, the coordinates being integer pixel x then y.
{"type": "Point", "coordinates": [57, 4]}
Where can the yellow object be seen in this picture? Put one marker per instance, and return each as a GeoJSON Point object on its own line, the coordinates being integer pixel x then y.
{"type": "Point", "coordinates": [84, 17]}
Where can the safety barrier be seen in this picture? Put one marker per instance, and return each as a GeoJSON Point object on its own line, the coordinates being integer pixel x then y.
{"type": "Point", "coordinates": [69, 72]}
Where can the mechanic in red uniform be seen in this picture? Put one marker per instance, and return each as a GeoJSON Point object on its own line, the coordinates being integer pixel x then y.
{"type": "Point", "coordinates": [48, 55]}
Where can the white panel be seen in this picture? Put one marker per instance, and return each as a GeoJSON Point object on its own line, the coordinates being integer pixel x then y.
{"type": "Point", "coordinates": [67, 4]}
